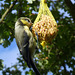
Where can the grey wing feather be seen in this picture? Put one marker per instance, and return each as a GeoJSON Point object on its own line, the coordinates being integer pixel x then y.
{"type": "Point", "coordinates": [22, 41]}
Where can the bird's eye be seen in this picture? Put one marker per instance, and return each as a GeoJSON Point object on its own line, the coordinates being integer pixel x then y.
{"type": "Point", "coordinates": [27, 20]}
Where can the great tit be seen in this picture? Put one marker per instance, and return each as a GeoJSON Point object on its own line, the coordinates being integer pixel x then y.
{"type": "Point", "coordinates": [25, 41]}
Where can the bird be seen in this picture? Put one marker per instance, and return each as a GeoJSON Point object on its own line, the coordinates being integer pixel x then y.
{"type": "Point", "coordinates": [26, 42]}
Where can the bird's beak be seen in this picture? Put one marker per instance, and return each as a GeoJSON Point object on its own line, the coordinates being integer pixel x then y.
{"type": "Point", "coordinates": [30, 24]}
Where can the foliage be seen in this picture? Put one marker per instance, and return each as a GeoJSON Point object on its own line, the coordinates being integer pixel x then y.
{"type": "Point", "coordinates": [53, 57]}
{"type": "Point", "coordinates": [1, 65]}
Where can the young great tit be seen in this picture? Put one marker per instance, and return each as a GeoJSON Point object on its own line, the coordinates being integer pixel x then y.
{"type": "Point", "coordinates": [25, 41]}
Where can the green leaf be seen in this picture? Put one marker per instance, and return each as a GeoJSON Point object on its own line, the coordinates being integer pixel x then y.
{"type": "Point", "coordinates": [1, 64]}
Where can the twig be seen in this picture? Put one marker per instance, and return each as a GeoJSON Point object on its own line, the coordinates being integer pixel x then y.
{"type": "Point", "coordinates": [7, 11]}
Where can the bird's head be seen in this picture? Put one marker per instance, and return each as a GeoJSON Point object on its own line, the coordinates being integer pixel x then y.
{"type": "Point", "coordinates": [24, 21]}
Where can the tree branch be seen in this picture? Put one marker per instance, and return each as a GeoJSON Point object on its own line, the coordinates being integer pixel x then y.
{"type": "Point", "coordinates": [7, 11]}
{"type": "Point", "coordinates": [71, 7]}
{"type": "Point", "coordinates": [20, 9]}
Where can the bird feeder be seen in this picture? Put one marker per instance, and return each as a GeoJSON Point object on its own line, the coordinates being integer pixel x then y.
{"type": "Point", "coordinates": [44, 25]}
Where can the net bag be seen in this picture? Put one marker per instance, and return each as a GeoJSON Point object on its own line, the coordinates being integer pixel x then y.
{"type": "Point", "coordinates": [44, 25]}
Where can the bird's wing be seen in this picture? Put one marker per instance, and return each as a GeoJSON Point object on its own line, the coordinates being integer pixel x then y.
{"type": "Point", "coordinates": [25, 48]}
{"type": "Point", "coordinates": [22, 40]}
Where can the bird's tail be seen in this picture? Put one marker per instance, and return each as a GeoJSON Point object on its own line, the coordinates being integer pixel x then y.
{"type": "Point", "coordinates": [34, 67]}
{"type": "Point", "coordinates": [28, 62]}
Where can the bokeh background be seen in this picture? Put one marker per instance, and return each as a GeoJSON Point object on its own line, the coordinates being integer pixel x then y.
{"type": "Point", "coordinates": [56, 59]}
